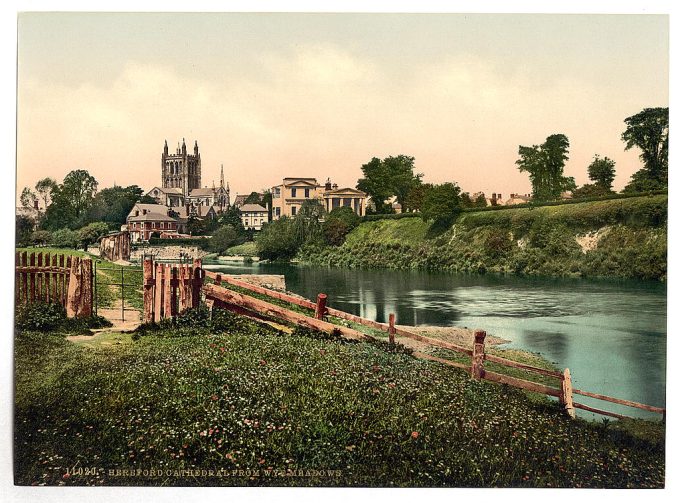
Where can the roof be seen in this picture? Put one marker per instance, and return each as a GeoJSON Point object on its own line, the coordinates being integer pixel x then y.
{"type": "Point", "coordinates": [253, 207]}
{"type": "Point", "coordinates": [305, 181]}
{"type": "Point", "coordinates": [157, 212]}
{"type": "Point", "coordinates": [346, 190]}
{"type": "Point", "coordinates": [205, 191]}
{"type": "Point", "coordinates": [151, 217]}
{"type": "Point", "coordinates": [167, 190]}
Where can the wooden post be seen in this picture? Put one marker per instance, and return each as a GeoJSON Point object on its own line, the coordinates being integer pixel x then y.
{"type": "Point", "coordinates": [197, 283]}
{"type": "Point", "coordinates": [55, 279]}
{"type": "Point", "coordinates": [167, 292]}
{"type": "Point", "coordinates": [48, 292]}
{"type": "Point", "coordinates": [85, 308]}
{"type": "Point", "coordinates": [566, 398]}
{"type": "Point", "coordinates": [158, 293]}
{"type": "Point", "coordinates": [174, 285]}
{"type": "Point", "coordinates": [38, 278]}
{"type": "Point", "coordinates": [74, 288]}
{"type": "Point", "coordinates": [31, 279]}
{"type": "Point", "coordinates": [392, 330]}
{"type": "Point", "coordinates": [24, 278]}
{"type": "Point", "coordinates": [320, 306]}
{"type": "Point", "coordinates": [218, 280]}
{"type": "Point", "coordinates": [477, 369]}
{"type": "Point", "coordinates": [148, 283]}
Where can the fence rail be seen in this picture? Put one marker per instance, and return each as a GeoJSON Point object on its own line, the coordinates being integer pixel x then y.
{"type": "Point", "coordinates": [169, 289]}
{"type": "Point", "coordinates": [226, 298]}
{"type": "Point", "coordinates": [57, 278]}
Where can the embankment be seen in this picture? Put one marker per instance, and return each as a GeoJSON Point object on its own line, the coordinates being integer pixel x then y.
{"type": "Point", "coordinates": [624, 238]}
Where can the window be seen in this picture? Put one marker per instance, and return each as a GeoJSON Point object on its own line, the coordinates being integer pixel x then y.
{"type": "Point", "coordinates": [293, 193]}
{"type": "Point", "coordinates": [336, 202]}
{"type": "Point", "coordinates": [306, 192]}
{"type": "Point", "coordinates": [293, 210]}
{"type": "Point", "coordinates": [153, 225]}
{"type": "Point", "coordinates": [278, 212]}
{"type": "Point", "coordinates": [162, 225]}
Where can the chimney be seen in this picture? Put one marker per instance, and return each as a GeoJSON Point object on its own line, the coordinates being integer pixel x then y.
{"type": "Point", "coordinates": [335, 186]}
{"type": "Point", "coordinates": [35, 204]}
{"type": "Point", "coordinates": [328, 184]}
{"type": "Point", "coordinates": [493, 196]}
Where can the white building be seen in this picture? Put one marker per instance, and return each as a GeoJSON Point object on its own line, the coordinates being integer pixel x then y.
{"type": "Point", "coordinates": [253, 216]}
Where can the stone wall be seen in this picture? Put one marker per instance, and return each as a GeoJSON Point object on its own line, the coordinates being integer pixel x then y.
{"type": "Point", "coordinates": [170, 252]}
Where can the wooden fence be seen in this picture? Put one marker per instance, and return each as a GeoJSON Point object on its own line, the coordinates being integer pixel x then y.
{"type": "Point", "coordinates": [57, 278]}
{"type": "Point", "coordinates": [564, 391]}
{"type": "Point", "coordinates": [169, 289]}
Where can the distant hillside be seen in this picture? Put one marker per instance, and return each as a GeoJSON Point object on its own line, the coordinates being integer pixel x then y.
{"type": "Point", "coordinates": [624, 238]}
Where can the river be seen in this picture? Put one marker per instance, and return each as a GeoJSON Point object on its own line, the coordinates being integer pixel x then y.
{"type": "Point", "coordinates": [611, 334]}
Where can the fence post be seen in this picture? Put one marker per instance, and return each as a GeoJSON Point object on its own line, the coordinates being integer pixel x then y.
{"type": "Point", "coordinates": [477, 369]}
{"type": "Point", "coordinates": [197, 283]}
{"type": "Point", "coordinates": [218, 280]}
{"type": "Point", "coordinates": [320, 306]}
{"type": "Point", "coordinates": [74, 288]}
{"type": "Point", "coordinates": [85, 308]}
{"type": "Point", "coordinates": [566, 398]}
{"type": "Point", "coordinates": [158, 293]}
{"type": "Point", "coordinates": [148, 283]}
{"type": "Point", "coordinates": [392, 330]}
{"type": "Point", "coordinates": [31, 278]}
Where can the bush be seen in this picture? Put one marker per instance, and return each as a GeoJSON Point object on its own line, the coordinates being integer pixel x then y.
{"type": "Point", "coordinates": [65, 238]}
{"type": "Point", "coordinates": [49, 316]}
{"type": "Point", "coordinates": [338, 224]}
{"type": "Point", "coordinates": [40, 316]}
{"type": "Point", "coordinates": [224, 238]}
{"type": "Point", "coordinates": [92, 233]}
{"type": "Point", "coordinates": [40, 238]}
{"type": "Point", "coordinates": [278, 240]}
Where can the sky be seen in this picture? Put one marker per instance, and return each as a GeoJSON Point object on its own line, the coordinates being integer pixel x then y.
{"type": "Point", "coordinates": [317, 95]}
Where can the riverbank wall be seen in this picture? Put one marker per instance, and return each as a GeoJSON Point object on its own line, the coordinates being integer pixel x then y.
{"type": "Point", "coordinates": [624, 238]}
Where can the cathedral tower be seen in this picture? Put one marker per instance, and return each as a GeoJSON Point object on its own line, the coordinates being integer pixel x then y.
{"type": "Point", "coordinates": [181, 170]}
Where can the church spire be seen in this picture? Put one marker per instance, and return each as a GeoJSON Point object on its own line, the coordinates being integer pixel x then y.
{"type": "Point", "coordinates": [196, 147]}
{"type": "Point", "coordinates": [165, 148]}
{"type": "Point", "coordinates": [184, 147]}
{"type": "Point", "coordinates": [222, 176]}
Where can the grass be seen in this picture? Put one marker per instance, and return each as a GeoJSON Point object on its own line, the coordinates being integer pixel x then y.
{"type": "Point", "coordinates": [247, 249]}
{"type": "Point", "coordinates": [249, 397]}
{"type": "Point", "coordinates": [530, 241]}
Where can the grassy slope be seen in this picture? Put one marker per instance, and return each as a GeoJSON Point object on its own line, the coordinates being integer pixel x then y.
{"type": "Point", "coordinates": [538, 240]}
{"type": "Point", "coordinates": [253, 398]}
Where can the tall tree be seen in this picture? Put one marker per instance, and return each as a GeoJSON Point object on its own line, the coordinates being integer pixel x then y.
{"type": "Point", "coordinates": [113, 204]}
{"type": "Point", "coordinates": [27, 198]}
{"type": "Point", "coordinates": [545, 165]}
{"type": "Point", "coordinates": [70, 201]}
{"type": "Point", "coordinates": [648, 130]}
{"type": "Point", "coordinates": [44, 188]}
{"type": "Point", "coordinates": [602, 172]}
{"type": "Point", "coordinates": [416, 196]}
{"type": "Point", "coordinates": [392, 176]}
{"type": "Point", "coordinates": [442, 202]}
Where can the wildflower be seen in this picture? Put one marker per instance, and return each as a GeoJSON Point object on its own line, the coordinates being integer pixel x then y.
{"type": "Point", "coordinates": [66, 476]}
{"type": "Point", "coordinates": [263, 362]}
{"type": "Point", "coordinates": [414, 435]}
{"type": "Point", "coordinates": [213, 397]}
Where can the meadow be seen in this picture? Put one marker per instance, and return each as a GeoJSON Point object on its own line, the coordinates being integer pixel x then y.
{"type": "Point", "coordinates": [261, 406]}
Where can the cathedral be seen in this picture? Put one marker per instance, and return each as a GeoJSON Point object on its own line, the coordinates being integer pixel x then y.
{"type": "Point", "coordinates": [181, 183]}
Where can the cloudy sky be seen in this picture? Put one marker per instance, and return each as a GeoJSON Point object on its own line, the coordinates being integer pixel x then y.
{"type": "Point", "coordinates": [274, 95]}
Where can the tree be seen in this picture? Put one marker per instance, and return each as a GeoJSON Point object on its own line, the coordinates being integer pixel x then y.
{"type": "Point", "coordinates": [113, 204]}
{"type": "Point", "coordinates": [545, 165]}
{"type": "Point", "coordinates": [44, 188]}
{"type": "Point", "coordinates": [442, 203]}
{"type": "Point", "coordinates": [277, 240]}
{"type": "Point", "coordinates": [79, 188]}
{"type": "Point", "coordinates": [253, 198]}
{"type": "Point", "coordinates": [338, 224]}
{"type": "Point", "coordinates": [589, 190]}
{"type": "Point", "coordinates": [92, 233]}
{"type": "Point", "coordinates": [392, 176]}
{"type": "Point", "coordinates": [23, 228]}
{"type": "Point", "coordinates": [415, 197]}
{"type": "Point", "coordinates": [232, 217]}
{"type": "Point", "coordinates": [602, 172]}
{"type": "Point", "coordinates": [480, 202]}
{"type": "Point", "coordinates": [70, 201]}
{"type": "Point", "coordinates": [40, 238]}
{"type": "Point", "coordinates": [307, 222]}
{"type": "Point", "coordinates": [224, 238]}
{"type": "Point", "coordinates": [27, 198]}
{"type": "Point", "coordinates": [195, 225]}
{"type": "Point", "coordinates": [65, 238]}
{"type": "Point", "coordinates": [648, 130]}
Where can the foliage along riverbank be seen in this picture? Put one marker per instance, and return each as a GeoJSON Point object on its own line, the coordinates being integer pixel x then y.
{"type": "Point", "coordinates": [231, 394]}
{"type": "Point", "coordinates": [624, 238]}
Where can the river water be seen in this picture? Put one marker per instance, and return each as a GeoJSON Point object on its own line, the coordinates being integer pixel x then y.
{"type": "Point", "coordinates": [610, 334]}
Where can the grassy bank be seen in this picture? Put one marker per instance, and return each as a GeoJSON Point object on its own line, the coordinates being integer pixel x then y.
{"type": "Point", "coordinates": [245, 396]}
{"type": "Point", "coordinates": [615, 238]}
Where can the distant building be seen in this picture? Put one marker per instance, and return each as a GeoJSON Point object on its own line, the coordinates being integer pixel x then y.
{"type": "Point", "coordinates": [167, 196]}
{"type": "Point", "coordinates": [240, 199]}
{"type": "Point", "coordinates": [253, 216]}
{"type": "Point", "coordinates": [518, 199]}
{"type": "Point", "coordinates": [146, 219]}
{"type": "Point", "coordinates": [289, 196]}
{"type": "Point", "coordinates": [495, 200]}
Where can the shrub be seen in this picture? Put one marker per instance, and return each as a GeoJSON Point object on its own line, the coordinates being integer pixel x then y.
{"type": "Point", "coordinates": [41, 316]}
{"type": "Point", "coordinates": [40, 238]}
{"type": "Point", "coordinates": [278, 240]}
{"type": "Point", "coordinates": [65, 238]}
{"type": "Point", "coordinates": [225, 237]}
{"type": "Point", "coordinates": [198, 317]}
{"type": "Point", "coordinates": [92, 233]}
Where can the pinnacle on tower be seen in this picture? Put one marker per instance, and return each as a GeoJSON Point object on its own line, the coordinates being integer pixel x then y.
{"type": "Point", "coordinates": [165, 147]}
{"type": "Point", "coordinates": [222, 176]}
